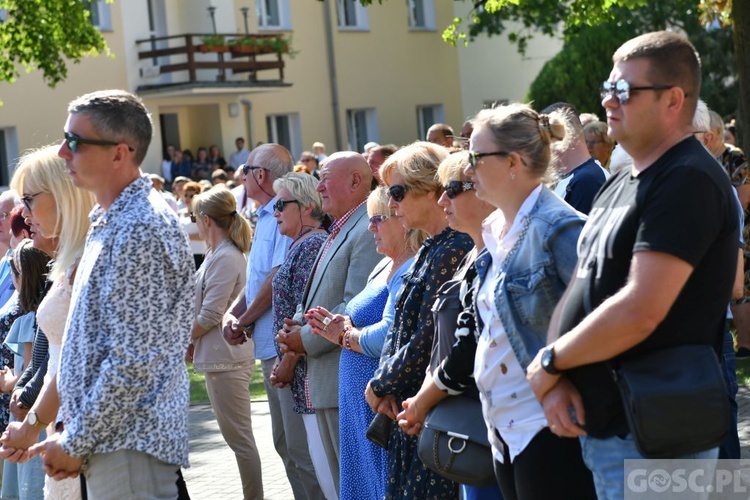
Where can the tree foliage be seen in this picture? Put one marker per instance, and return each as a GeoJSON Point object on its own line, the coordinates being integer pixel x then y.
{"type": "Point", "coordinates": [576, 73]}
{"type": "Point", "coordinates": [45, 35]}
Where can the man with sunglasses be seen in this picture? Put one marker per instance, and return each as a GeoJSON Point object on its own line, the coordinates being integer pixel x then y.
{"type": "Point", "coordinates": [122, 384]}
{"type": "Point", "coordinates": [656, 261]}
{"type": "Point", "coordinates": [251, 317]}
{"type": "Point", "coordinates": [346, 260]}
{"type": "Point", "coordinates": [581, 176]}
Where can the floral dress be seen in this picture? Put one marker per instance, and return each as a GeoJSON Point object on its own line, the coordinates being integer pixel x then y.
{"type": "Point", "coordinates": [288, 286]}
{"type": "Point", "coordinates": [406, 356]}
{"type": "Point", "coordinates": [735, 165]}
{"type": "Point", "coordinates": [8, 314]}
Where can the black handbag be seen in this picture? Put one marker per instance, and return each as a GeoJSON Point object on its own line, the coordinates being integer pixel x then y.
{"type": "Point", "coordinates": [675, 400]}
{"type": "Point", "coordinates": [379, 430]}
{"type": "Point", "coordinates": [454, 443]}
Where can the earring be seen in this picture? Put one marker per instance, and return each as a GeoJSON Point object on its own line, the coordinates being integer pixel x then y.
{"type": "Point", "coordinates": [512, 176]}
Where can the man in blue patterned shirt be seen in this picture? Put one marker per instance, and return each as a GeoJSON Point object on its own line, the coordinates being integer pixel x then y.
{"type": "Point", "coordinates": [122, 383]}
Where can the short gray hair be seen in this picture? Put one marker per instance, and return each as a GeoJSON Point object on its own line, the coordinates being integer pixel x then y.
{"type": "Point", "coordinates": [303, 187]}
{"type": "Point", "coordinates": [701, 119]}
{"type": "Point", "coordinates": [275, 158]}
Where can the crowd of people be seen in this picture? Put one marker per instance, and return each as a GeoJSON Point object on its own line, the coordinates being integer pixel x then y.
{"type": "Point", "coordinates": [518, 264]}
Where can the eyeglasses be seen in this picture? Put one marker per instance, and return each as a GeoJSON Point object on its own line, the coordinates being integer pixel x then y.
{"type": "Point", "coordinates": [621, 90]}
{"type": "Point", "coordinates": [247, 168]}
{"type": "Point", "coordinates": [28, 199]}
{"type": "Point", "coordinates": [397, 192]}
{"type": "Point", "coordinates": [454, 188]}
{"type": "Point", "coordinates": [474, 157]}
{"type": "Point", "coordinates": [307, 159]}
{"type": "Point", "coordinates": [591, 144]}
{"type": "Point", "coordinates": [190, 196]}
{"type": "Point", "coordinates": [377, 220]}
{"type": "Point", "coordinates": [73, 141]}
{"type": "Point", "coordinates": [281, 204]}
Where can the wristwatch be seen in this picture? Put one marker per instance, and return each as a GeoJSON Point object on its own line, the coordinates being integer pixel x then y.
{"type": "Point", "coordinates": [548, 361]}
{"type": "Point", "coordinates": [247, 330]}
{"type": "Point", "coordinates": [34, 421]}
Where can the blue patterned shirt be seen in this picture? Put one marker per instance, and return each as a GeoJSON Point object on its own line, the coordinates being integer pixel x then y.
{"type": "Point", "coordinates": [123, 383]}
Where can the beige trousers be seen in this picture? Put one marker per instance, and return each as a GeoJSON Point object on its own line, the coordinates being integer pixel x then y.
{"type": "Point", "coordinates": [230, 398]}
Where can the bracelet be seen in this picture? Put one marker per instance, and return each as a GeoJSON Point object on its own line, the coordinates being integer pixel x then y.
{"type": "Point", "coordinates": [347, 337]}
{"type": "Point", "coordinates": [341, 337]}
{"type": "Point", "coordinates": [247, 330]}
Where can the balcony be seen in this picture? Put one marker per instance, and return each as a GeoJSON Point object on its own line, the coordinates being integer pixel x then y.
{"type": "Point", "coordinates": [211, 62]}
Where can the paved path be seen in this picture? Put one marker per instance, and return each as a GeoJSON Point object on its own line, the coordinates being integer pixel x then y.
{"type": "Point", "coordinates": [214, 476]}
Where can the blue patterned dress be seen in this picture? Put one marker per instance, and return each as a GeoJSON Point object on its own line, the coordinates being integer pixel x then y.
{"type": "Point", "coordinates": [8, 314]}
{"type": "Point", "coordinates": [363, 464]}
{"type": "Point", "coordinates": [406, 355]}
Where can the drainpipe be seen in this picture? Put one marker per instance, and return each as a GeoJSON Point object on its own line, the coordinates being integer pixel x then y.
{"type": "Point", "coordinates": [332, 74]}
{"type": "Point", "coordinates": [249, 123]}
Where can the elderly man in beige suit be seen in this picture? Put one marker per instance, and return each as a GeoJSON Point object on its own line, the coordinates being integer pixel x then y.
{"type": "Point", "coordinates": [340, 273]}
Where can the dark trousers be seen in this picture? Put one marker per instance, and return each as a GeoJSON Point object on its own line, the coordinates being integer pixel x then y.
{"type": "Point", "coordinates": [549, 467]}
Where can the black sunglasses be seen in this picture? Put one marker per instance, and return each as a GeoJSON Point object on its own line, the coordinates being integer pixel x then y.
{"type": "Point", "coordinates": [73, 141]}
{"type": "Point", "coordinates": [621, 90]}
{"type": "Point", "coordinates": [193, 218]}
{"type": "Point", "coordinates": [397, 192]}
{"type": "Point", "coordinates": [28, 199]}
{"type": "Point", "coordinates": [474, 157]}
{"type": "Point", "coordinates": [281, 204]}
{"type": "Point", "coordinates": [247, 168]}
{"type": "Point", "coordinates": [454, 188]}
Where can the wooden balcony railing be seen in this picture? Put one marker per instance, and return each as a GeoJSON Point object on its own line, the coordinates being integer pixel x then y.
{"type": "Point", "coordinates": [226, 53]}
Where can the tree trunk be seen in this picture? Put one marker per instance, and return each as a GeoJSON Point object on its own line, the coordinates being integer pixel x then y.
{"type": "Point", "coordinates": [741, 27]}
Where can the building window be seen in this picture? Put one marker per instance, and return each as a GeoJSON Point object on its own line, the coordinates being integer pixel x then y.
{"type": "Point", "coordinates": [101, 15]}
{"type": "Point", "coordinates": [362, 127]}
{"type": "Point", "coordinates": [352, 15]}
{"type": "Point", "coordinates": [273, 14]}
{"type": "Point", "coordinates": [427, 116]}
{"type": "Point", "coordinates": [421, 14]}
{"type": "Point", "coordinates": [285, 130]}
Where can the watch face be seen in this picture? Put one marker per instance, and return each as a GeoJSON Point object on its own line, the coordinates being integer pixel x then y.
{"type": "Point", "coordinates": [32, 418]}
{"type": "Point", "coordinates": [546, 358]}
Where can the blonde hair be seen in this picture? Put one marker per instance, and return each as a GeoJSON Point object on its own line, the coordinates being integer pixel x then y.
{"type": "Point", "coordinates": [417, 163]}
{"type": "Point", "coordinates": [452, 168]}
{"type": "Point", "coordinates": [220, 204]}
{"type": "Point", "coordinates": [42, 171]}
{"type": "Point", "coordinates": [518, 128]}
{"type": "Point", "coordinates": [377, 204]}
{"type": "Point", "coordinates": [303, 188]}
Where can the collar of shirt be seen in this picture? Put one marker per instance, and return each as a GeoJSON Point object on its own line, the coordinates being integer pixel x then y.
{"type": "Point", "coordinates": [492, 227]}
{"type": "Point", "coordinates": [268, 207]}
{"type": "Point", "coordinates": [99, 215]}
{"type": "Point", "coordinates": [339, 223]}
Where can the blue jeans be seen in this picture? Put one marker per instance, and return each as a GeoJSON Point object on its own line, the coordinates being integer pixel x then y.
{"type": "Point", "coordinates": [606, 459]}
{"type": "Point", "coordinates": [730, 448]}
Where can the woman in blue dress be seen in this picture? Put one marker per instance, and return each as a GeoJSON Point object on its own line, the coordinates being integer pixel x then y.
{"type": "Point", "coordinates": [361, 333]}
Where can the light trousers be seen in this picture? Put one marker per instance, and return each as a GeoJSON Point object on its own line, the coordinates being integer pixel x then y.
{"type": "Point", "coordinates": [230, 399]}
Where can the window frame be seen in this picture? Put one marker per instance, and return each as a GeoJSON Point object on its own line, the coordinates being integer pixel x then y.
{"type": "Point", "coordinates": [428, 12]}
{"type": "Point", "coordinates": [438, 115]}
{"type": "Point", "coordinates": [362, 19]}
{"type": "Point", "coordinates": [285, 15]}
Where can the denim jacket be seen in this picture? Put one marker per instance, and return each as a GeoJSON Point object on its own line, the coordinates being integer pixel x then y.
{"type": "Point", "coordinates": [536, 274]}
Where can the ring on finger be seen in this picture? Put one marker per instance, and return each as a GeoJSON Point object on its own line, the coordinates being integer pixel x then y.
{"type": "Point", "coordinates": [326, 321]}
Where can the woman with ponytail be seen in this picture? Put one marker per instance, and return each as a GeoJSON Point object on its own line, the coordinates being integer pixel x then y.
{"type": "Point", "coordinates": [218, 282]}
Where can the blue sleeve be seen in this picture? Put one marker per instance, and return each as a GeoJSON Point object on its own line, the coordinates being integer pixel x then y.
{"type": "Point", "coordinates": [583, 188]}
{"type": "Point", "coordinates": [372, 338]}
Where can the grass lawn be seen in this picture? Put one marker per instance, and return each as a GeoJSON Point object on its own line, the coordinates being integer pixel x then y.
{"type": "Point", "coordinates": [198, 392]}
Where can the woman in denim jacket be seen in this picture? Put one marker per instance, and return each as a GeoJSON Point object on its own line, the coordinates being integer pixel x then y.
{"type": "Point", "coordinates": [529, 258]}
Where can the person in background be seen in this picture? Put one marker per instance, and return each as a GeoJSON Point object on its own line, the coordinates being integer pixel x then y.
{"type": "Point", "coordinates": [440, 134]}
{"type": "Point", "coordinates": [239, 157]}
{"type": "Point", "coordinates": [377, 157]}
{"type": "Point", "coordinates": [219, 176]}
{"type": "Point", "coordinates": [214, 158]}
{"type": "Point", "coordinates": [319, 150]}
{"type": "Point", "coordinates": [598, 142]}
{"type": "Point", "coordinates": [187, 222]}
{"type": "Point", "coordinates": [218, 282]}
{"type": "Point", "coordinates": [580, 175]}
{"type": "Point", "coordinates": [158, 183]}
{"type": "Point", "coordinates": [166, 164]}
{"type": "Point", "coordinates": [8, 201]}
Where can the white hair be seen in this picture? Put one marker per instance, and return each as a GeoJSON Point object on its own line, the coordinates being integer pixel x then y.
{"type": "Point", "coordinates": [702, 118]}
